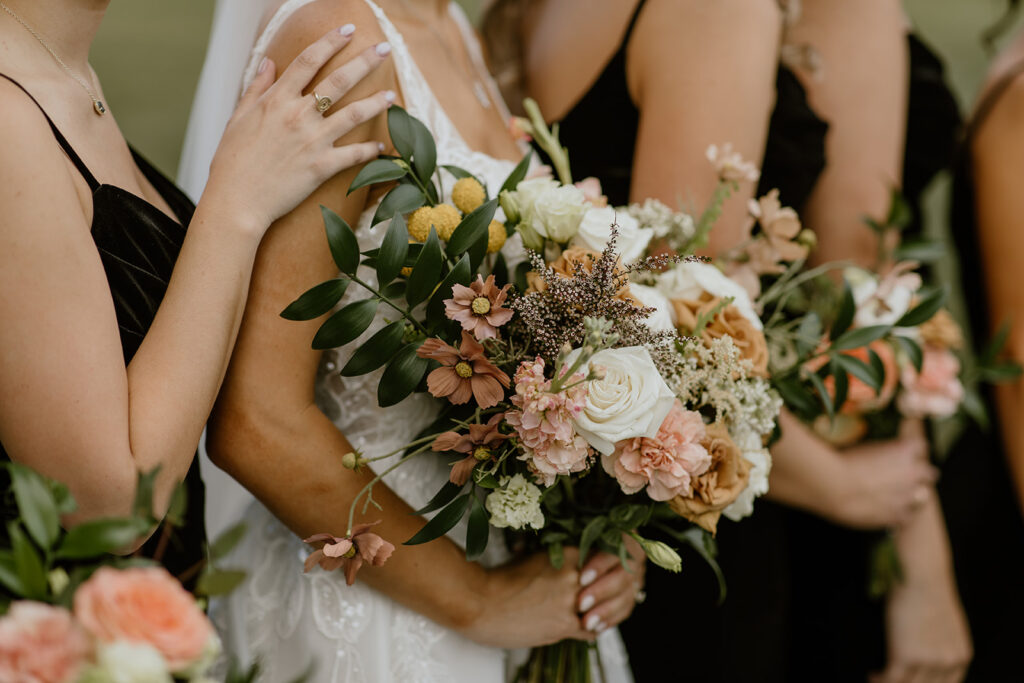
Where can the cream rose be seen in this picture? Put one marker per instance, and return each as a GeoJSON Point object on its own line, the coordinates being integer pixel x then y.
{"type": "Point", "coordinates": [557, 213]}
{"type": "Point", "coordinates": [518, 206]}
{"type": "Point", "coordinates": [132, 662]}
{"type": "Point", "coordinates": [596, 229]}
{"type": "Point", "coordinates": [631, 400]}
{"type": "Point", "coordinates": [689, 280]}
{"type": "Point", "coordinates": [664, 317]}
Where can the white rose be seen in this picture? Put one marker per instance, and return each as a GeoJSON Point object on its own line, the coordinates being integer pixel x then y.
{"type": "Point", "coordinates": [689, 280]}
{"type": "Point", "coordinates": [596, 229]}
{"type": "Point", "coordinates": [754, 452]}
{"type": "Point", "coordinates": [872, 310]}
{"type": "Point", "coordinates": [125, 662]}
{"type": "Point", "coordinates": [557, 213]}
{"type": "Point", "coordinates": [631, 400]}
{"type": "Point", "coordinates": [664, 317]}
{"type": "Point", "coordinates": [515, 505]}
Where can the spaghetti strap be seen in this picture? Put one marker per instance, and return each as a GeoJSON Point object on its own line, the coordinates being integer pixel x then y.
{"type": "Point", "coordinates": [61, 140]}
{"type": "Point", "coordinates": [632, 24]}
{"type": "Point", "coordinates": [992, 98]}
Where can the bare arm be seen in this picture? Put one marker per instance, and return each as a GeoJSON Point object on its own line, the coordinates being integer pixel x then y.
{"type": "Point", "coordinates": [80, 415]}
{"type": "Point", "coordinates": [998, 167]}
{"type": "Point", "coordinates": [702, 73]}
{"type": "Point", "coordinates": [862, 94]}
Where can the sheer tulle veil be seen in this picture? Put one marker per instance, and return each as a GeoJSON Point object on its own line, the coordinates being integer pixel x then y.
{"type": "Point", "coordinates": [235, 25]}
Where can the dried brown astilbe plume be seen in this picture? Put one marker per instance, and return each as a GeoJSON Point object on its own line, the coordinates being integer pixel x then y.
{"type": "Point", "coordinates": [555, 316]}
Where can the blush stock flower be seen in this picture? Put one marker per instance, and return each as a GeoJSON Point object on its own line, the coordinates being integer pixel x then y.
{"type": "Point", "coordinates": [349, 552]}
{"type": "Point", "coordinates": [464, 373]}
{"type": "Point", "coordinates": [478, 308]}
{"type": "Point", "coordinates": [40, 643]}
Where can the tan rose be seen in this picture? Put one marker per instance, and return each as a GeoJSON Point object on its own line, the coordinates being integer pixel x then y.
{"type": "Point", "coordinates": [727, 322]}
{"type": "Point", "coordinates": [941, 331]}
{"type": "Point", "coordinates": [717, 488]}
{"type": "Point", "coordinates": [564, 265]}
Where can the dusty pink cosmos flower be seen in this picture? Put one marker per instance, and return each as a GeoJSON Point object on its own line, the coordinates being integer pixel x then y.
{"type": "Point", "coordinates": [936, 391]}
{"type": "Point", "coordinates": [144, 605]}
{"type": "Point", "coordinates": [592, 192]}
{"type": "Point", "coordinates": [478, 308]}
{"type": "Point", "coordinates": [544, 423]}
{"type": "Point", "coordinates": [464, 373]}
{"type": "Point", "coordinates": [40, 643]}
{"type": "Point", "coordinates": [667, 464]}
{"type": "Point", "coordinates": [349, 552]}
{"type": "Point", "coordinates": [479, 444]}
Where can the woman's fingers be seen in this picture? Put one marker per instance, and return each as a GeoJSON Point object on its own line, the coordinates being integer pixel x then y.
{"type": "Point", "coordinates": [342, 122]}
{"type": "Point", "coordinates": [297, 77]}
{"type": "Point", "coordinates": [260, 84]}
{"type": "Point", "coordinates": [609, 600]}
{"type": "Point", "coordinates": [339, 82]}
{"type": "Point", "coordinates": [598, 565]}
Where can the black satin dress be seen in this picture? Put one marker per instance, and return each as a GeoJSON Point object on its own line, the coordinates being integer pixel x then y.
{"type": "Point", "coordinates": [984, 520]}
{"type": "Point", "coordinates": [138, 245]}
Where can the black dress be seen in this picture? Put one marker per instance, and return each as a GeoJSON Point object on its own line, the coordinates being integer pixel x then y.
{"type": "Point", "coordinates": [138, 245]}
{"type": "Point", "coordinates": [745, 639]}
{"type": "Point", "coordinates": [984, 520]}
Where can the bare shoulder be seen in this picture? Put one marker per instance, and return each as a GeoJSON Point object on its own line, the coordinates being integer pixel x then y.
{"type": "Point", "coordinates": [1001, 135]}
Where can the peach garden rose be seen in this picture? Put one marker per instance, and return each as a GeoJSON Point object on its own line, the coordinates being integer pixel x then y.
{"type": "Point", "coordinates": [40, 643]}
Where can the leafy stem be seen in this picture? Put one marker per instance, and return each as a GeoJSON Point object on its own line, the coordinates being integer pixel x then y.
{"type": "Point", "coordinates": [368, 489]}
{"type": "Point", "coordinates": [405, 314]}
{"type": "Point", "coordinates": [548, 141]}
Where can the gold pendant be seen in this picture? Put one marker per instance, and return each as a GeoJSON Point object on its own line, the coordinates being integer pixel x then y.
{"type": "Point", "coordinates": [98, 106]}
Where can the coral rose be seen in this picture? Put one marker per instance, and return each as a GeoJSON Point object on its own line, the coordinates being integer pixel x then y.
{"type": "Point", "coordinates": [144, 605]}
{"type": "Point", "coordinates": [40, 644]}
{"type": "Point", "coordinates": [934, 392]}
{"type": "Point", "coordinates": [728, 322]}
{"type": "Point", "coordinates": [717, 488]}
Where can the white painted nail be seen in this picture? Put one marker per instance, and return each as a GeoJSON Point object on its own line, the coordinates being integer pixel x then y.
{"type": "Point", "coordinates": [263, 65]}
{"type": "Point", "coordinates": [390, 96]}
{"type": "Point", "coordinates": [587, 602]}
{"type": "Point", "coordinates": [380, 146]}
{"type": "Point", "coordinates": [383, 49]}
{"type": "Point", "coordinates": [592, 623]}
{"type": "Point", "coordinates": [347, 30]}
{"type": "Point", "coordinates": [587, 577]}
{"type": "Point", "coordinates": [601, 627]}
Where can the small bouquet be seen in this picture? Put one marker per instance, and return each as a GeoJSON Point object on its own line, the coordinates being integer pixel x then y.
{"type": "Point", "coordinates": [572, 410]}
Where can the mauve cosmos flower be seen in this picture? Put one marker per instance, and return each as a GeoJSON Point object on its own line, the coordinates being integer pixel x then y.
{"type": "Point", "coordinates": [464, 373]}
{"type": "Point", "coordinates": [478, 308]}
{"type": "Point", "coordinates": [478, 445]}
{"type": "Point", "coordinates": [350, 552]}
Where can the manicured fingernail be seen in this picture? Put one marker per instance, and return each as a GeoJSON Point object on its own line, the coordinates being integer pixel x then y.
{"type": "Point", "coordinates": [601, 627]}
{"type": "Point", "coordinates": [347, 30]}
{"type": "Point", "coordinates": [263, 65]}
{"type": "Point", "coordinates": [384, 49]}
{"type": "Point", "coordinates": [587, 602]}
{"type": "Point", "coordinates": [380, 146]}
{"type": "Point", "coordinates": [592, 623]}
{"type": "Point", "coordinates": [587, 577]}
{"type": "Point", "coordinates": [390, 96]}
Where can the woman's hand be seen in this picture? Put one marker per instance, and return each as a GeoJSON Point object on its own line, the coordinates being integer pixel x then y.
{"type": "Point", "coordinates": [278, 148]}
{"type": "Point", "coordinates": [610, 590]}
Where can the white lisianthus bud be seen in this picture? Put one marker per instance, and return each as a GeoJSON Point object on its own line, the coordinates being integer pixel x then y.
{"type": "Point", "coordinates": [662, 555]}
{"type": "Point", "coordinates": [59, 580]}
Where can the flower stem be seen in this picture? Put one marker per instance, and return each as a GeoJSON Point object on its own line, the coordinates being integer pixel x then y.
{"type": "Point", "coordinates": [405, 314]}
{"type": "Point", "coordinates": [369, 486]}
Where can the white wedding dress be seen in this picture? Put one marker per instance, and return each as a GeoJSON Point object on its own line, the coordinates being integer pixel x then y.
{"type": "Point", "coordinates": [289, 619]}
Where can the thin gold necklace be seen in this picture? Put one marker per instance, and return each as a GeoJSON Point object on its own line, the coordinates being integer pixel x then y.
{"type": "Point", "coordinates": [97, 103]}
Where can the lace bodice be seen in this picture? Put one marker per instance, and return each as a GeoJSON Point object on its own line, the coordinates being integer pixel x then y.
{"type": "Point", "coordinates": [351, 402]}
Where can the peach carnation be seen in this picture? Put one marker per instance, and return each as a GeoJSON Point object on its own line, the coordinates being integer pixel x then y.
{"type": "Point", "coordinates": [144, 605]}
{"type": "Point", "coordinates": [40, 643]}
{"type": "Point", "coordinates": [666, 464]}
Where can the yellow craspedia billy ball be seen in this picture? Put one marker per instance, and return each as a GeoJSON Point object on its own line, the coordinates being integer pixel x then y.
{"type": "Point", "coordinates": [419, 223]}
{"type": "Point", "coordinates": [468, 194]}
{"type": "Point", "coordinates": [446, 218]}
{"type": "Point", "coordinates": [495, 237]}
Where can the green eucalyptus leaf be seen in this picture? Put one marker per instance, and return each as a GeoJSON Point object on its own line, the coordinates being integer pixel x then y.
{"type": "Point", "coordinates": [847, 309]}
{"type": "Point", "coordinates": [996, 345]}
{"type": "Point", "coordinates": [591, 533]}
{"type": "Point", "coordinates": [826, 398]}
{"type": "Point", "coordinates": [427, 271]}
{"type": "Point", "coordinates": [860, 336]}
{"type": "Point", "coordinates": [842, 383]}
{"type": "Point", "coordinates": [923, 312]}
{"type": "Point", "coordinates": [393, 251]}
{"type": "Point", "coordinates": [413, 142]}
{"type": "Point", "coordinates": [500, 269]}
{"type": "Point", "coordinates": [808, 334]}
{"type": "Point", "coordinates": [316, 301]}
{"type": "Point", "coordinates": [178, 506]}
{"type": "Point", "coordinates": [402, 375]}
{"type": "Point", "coordinates": [401, 131]}
{"type": "Point", "coordinates": [377, 171]}
{"type": "Point", "coordinates": [517, 174]}
{"type": "Point", "coordinates": [342, 240]}
{"type": "Point", "coordinates": [402, 199]}
{"type": "Point", "coordinates": [924, 251]}
{"type": "Point", "coordinates": [27, 563]}
{"type": "Point", "coordinates": [556, 554]}
{"type": "Point", "coordinates": [101, 536]}
{"type": "Point", "coordinates": [443, 522]}
{"type": "Point", "coordinates": [9, 573]}
{"type": "Point", "coordinates": [215, 582]}
{"type": "Point", "coordinates": [477, 532]}
{"type": "Point", "coordinates": [861, 370]}
{"type": "Point", "coordinates": [458, 172]}
{"type": "Point", "coordinates": [976, 409]}
{"type": "Point", "coordinates": [473, 228]}
{"type": "Point", "coordinates": [36, 505]}
{"type": "Point", "coordinates": [227, 541]}
{"type": "Point", "coordinates": [346, 324]}
{"type": "Point", "coordinates": [461, 274]}
{"type": "Point", "coordinates": [911, 348]}
{"type": "Point", "coordinates": [900, 213]}
{"type": "Point", "coordinates": [446, 495]}
{"type": "Point", "coordinates": [143, 506]}
{"type": "Point", "coordinates": [375, 351]}
{"type": "Point", "coordinates": [796, 396]}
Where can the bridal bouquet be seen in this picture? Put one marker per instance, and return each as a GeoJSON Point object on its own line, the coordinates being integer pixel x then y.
{"type": "Point", "coordinates": [574, 412]}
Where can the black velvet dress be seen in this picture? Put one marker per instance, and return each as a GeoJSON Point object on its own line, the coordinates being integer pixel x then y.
{"type": "Point", "coordinates": [984, 520]}
{"type": "Point", "coordinates": [138, 245]}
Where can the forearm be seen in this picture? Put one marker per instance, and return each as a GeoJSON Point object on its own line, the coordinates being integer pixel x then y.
{"type": "Point", "coordinates": [174, 377]}
{"type": "Point", "coordinates": [804, 474]}
{"type": "Point", "coordinates": [290, 458]}
{"type": "Point", "coordinates": [923, 546]}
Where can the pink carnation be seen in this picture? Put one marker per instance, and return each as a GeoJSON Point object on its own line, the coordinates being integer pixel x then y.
{"type": "Point", "coordinates": [144, 605]}
{"type": "Point", "coordinates": [544, 423]}
{"type": "Point", "coordinates": [40, 644]}
{"type": "Point", "coordinates": [666, 464]}
{"type": "Point", "coordinates": [936, 391]}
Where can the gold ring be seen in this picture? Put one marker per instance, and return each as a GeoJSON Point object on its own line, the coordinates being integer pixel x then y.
{"type": "Point", "coordinates": [322, 103]}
